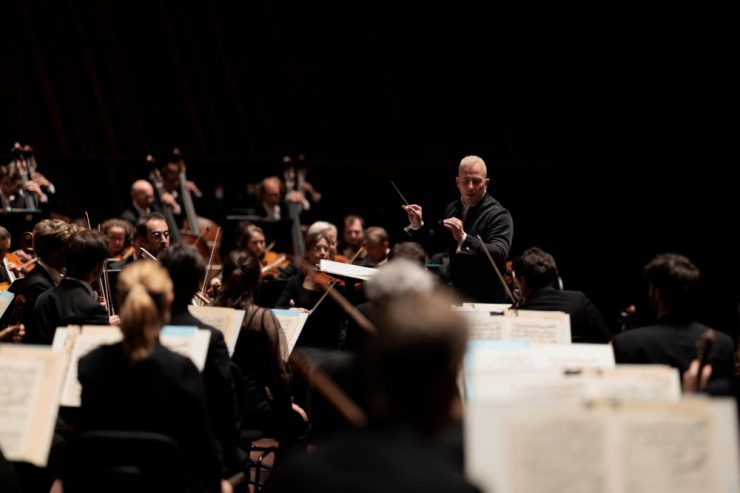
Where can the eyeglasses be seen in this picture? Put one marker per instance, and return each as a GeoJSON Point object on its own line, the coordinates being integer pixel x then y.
{"type": "Point", "coordinates": [157, 235]}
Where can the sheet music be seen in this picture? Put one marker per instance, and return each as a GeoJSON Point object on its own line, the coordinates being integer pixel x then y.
{"type": "Point", "coordinates": [6, 297]}
{"type": "Point", "coordinates": [347, 270]}
{"type": "Point", "coordinates": [190, 342]}
{"type": "Point", "coordinates": [521, 357]}
{"type": "Point", "coordinates": [630, 447]}
{"type": "Point", "coordinates": [30, 386]}
{"type": "Point", "coordinates": [540, 327]}
{"type": "Point", "coordinates": [77, 342]}
{"type": "Point", "coordinates": [625, 382]}
{"type": "Point", "coordinates": [292, 322]}
{"type": "Point", "coordinates": [227, 320]}
{"type": "Point", "coordinates": [485, 307]}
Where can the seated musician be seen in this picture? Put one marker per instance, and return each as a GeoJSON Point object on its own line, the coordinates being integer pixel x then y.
{"type": "Point", "coordinates": [50, 238]}
{"type": "Point", "coordinates": [73, 301]}
{"type": "Point", "coordinates": [674, 284]}
{"type": "Point", "coordinates": [187, 269]}
{"type": "Point", "coordinates": [10, 265]}
{"type": "Point", "coordinates": [120, 235]}
{"type": "Point", "coordinates": [139, 385]}
{"type": "Point", "coordinates": [252, 240]}
{"type": "Point", "coordinates": [142, 201]}
{"type": "Point", "coordinates": [330, 231]}
{"type": "Point", "coordinates": [325, 327]}
{"type": "Point", "coordinates": [151, 234]}
{"type": "Point", "coordinates": [377, 247]}
{"type": "Point", "coordinates": [13, 192]}
{"type": "Point", "coordinates": [266, 399]}
{"type": "Point", "coordinates": [353, 235]}
{"type": "Point", "coordinates": [536, 274]}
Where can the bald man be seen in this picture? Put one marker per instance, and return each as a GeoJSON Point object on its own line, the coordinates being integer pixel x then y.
{"type": "Point", "coordinates": [474, 213]}
{"type": "Point", "coordinates": [142, 201]}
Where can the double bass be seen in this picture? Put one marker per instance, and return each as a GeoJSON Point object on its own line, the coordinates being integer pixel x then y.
{"type": "Point", "coordinates": [201, 232]}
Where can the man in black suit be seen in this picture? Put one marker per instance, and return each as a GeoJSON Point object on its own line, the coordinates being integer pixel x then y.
{"type": "Point", "coordinates": [474, 213]}
{"type": "Point", "coordinates": [673, 288]}
{"type": "Point", "coordinates": [73, 301]}
{"type": "Point", "coordinates": [536, 273]}
{"type": "Point", "coordinates": [50, 238]}
{"type": "Point", "coordinates": [187, 268]}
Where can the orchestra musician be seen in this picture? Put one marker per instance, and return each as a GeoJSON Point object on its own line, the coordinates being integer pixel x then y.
{"type": "Point", "coordinates": [252, 240]}
{"type": "Point", "coordinates": [10, 267]}
{"type": "Point", "coordinates": [353, 235]}
{"type": "Point", "coordinates": [151, 234]}
{"type": "Point", "coordinates": [120, 236]}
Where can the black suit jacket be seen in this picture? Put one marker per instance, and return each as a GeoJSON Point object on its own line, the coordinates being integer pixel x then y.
{"type": "Point", "coordinates": [163, 393]}
{"type": "Point", "coordinates": [586, 322]}
{"type": "Point", "coordinates": [671, 341]}
{"type": "Point", "coordinates": [70, 303]}
{"type": "Point", "coordinates": [470, 270]}
{"type": "Point", "coordinates": [31, 287]}
{"type": "Point", "coordinates": [223, 407]}
{"type": "Point", "coordinates": [388, 460]}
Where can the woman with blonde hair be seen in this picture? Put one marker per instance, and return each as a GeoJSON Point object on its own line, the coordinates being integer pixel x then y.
{"type": "Point", "coordinates": [139, 385]}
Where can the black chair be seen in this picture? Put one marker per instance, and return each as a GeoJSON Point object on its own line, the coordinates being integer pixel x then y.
{"type": "Point", "coordinates": [124, 461]}
{"type": "Point", "coordinates": [250, 437]}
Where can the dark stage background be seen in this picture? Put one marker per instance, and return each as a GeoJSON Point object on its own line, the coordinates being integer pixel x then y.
{"type": "Point", "coordinates": [604, 127]}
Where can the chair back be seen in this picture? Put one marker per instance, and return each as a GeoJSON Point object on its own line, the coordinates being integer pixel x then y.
{"type": "Point", "coordinates": [124, 461]}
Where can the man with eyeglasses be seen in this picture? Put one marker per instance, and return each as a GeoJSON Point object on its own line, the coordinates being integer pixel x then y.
{"type": "Point", "coordinates": [475, 213]}
{"type": "Point", "coordinates": [151, 235]}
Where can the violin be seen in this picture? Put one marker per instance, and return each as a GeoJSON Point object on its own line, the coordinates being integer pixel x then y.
{"type": "Point", "coordinates": [271, 262]}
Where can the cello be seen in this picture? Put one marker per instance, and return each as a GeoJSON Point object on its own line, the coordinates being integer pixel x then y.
{"type": "Point", "coordinates": [201, 232]}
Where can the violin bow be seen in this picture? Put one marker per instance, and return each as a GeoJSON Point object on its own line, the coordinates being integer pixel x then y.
{"type": "Point", "coordinates": [334, 282]}
{"type": "Point", "coordinates": [210, 262]}
{"type": "Point", "coordinates": [101, 286]}
{"type": "Point", "coordinates": [498, 272]}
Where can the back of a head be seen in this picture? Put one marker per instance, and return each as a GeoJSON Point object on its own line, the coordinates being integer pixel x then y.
{"type": "Point", "coordinates": [537, 267]}
{"type": "Point", "coordinates": [85, 251]}
{"type": "Point", "coordinates": [145, 289]}
{"type": "Point", "coordinates": [414, 359]}
{"type": "Point", "coordinates": [51, 235]}
{"type": "Point", "coordinates": [376, 235]}
{"type": "Point", "coordinates": [678, 280]}
{"type": "Point", "coordinates": [240, 279]}
{"type": "Point", "coordinates": [399, 277]}
{"type": "Point", "coordinates": [410, 250]}
{"type": "Point", "coordinates": [186, 268]}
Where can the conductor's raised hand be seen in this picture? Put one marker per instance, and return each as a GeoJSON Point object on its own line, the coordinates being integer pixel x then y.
{"type": "Point", "coordinates": [414, 212]}
{"type": "Point", "coordinates": [455, 225]}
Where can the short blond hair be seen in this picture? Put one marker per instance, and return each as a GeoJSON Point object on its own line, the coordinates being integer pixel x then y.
{"type": "Point", "coordinates": [470, 161]}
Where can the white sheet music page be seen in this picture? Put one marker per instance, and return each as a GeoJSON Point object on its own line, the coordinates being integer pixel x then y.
{"type": "Point", "coordinates": [30, 387]}
{"type": "Point", "coordinates": [291, 322]}
{"type": "Point", "coordinates": [347, 270]}
{"type": "Point", "coordinates": [227, 320]}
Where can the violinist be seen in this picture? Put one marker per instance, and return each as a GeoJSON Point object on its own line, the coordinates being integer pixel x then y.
{"type": "Point", "coordinates": [330, 231]}
{"type": "Point", "coordinates": [326, 324]}
{"type": "Point", "coordinates": [10, 268]}
{"type": "Point", "coordinates": [151, 234]}
{"type": "Point", "coordinates": [252, 240]}
{"type": "Point", "coordinates": [73, 301]}
{"type": "Point", "coordinates": [120, 235]}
